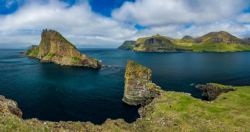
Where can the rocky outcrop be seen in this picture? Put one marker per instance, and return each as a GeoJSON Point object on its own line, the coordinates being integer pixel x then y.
{"type": "Point", "coordinates": [139, 89]}
{"type": "Point", "coordinates": [9, 107]}
{"type": "Point", "coordinates": [211, 90]}
{"type": "Point", "coordinates": [128, 45]}
{"type": "Point", "coordinates": [55, 48]}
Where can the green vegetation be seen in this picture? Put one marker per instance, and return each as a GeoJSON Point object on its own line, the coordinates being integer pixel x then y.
{"type": "Point", "coordinates": [211, 42]}
{"type": "Point", "coordinates": [155, 43]}
{"type": "Point", "coordinates": [75, 60]}
{"type": "Point", "coordinates": [49, 56]}
{"type": "Point", "coordinates": [33, 51]}
{"type": "Point", "coordinates": [127, 45]}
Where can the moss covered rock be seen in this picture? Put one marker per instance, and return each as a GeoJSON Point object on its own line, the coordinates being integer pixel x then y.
{"type": "Point", "coordinates": [55, 48]}
{"type": "Point", "coordinates": [139, 89]}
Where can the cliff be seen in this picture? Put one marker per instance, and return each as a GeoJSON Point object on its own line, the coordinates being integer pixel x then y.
{"type": "Point", "coordinates": [139, 89]}
{"type": "Point", "coordinates": [128, 45]}
{"type": "Point", "coordinates": [212, 42]}
{"type": "Point", "coordinates": [156, 43]}
{"type": "Point", "coordinates": [55, 48]}
{"type": "Point", "coordinates": [9, 107]}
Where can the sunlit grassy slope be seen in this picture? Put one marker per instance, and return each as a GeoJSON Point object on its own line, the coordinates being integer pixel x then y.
{"type": "Point", "coordinates": [211, 42]}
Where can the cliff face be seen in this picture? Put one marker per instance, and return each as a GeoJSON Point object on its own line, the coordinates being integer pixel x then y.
{"type": "Point", "coordinates": [9, 107]}
{"type": "Point", "coordinates": [139, 89]}
{"type": "Point", "coordinates": [155, 43]}
{"type": "Point", "coordinates": [55, 48]}
{"type": "Point", "coordinates": [128, 45]}
{"type": "Point", "coordinates": [212, 42]}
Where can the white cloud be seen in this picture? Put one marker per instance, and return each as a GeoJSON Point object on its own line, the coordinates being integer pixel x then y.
{"type": "Point", "coordinates": [163, 12]}
{"type": "Point", "coordinates": [244, 18]}
{"type": "Point", "coordinates": [78, 23]}
{"type": "Point", "coordinates": [85, 28]}
{"type": "Point", "coordinates": [179, 30]}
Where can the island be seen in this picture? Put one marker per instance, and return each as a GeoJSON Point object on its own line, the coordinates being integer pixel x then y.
{"type": "Point", "coordinates": [55, 48]}
{"type": "Point", "coordinates": [227, 109]}
{"type": "Point", "coordinates": [212, 42]}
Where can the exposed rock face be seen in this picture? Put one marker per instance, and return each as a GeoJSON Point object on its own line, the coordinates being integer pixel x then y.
{"type": "Point", "coordinates": [128, 45]}
{"type": "Point", "coordinates": [55, 48]}
{"type": "Point", "coordinates": [9, 107]}
{"type": "Point", "coordinates": [155, 43]}
{"type": "Point", "coordinates": [211, 90]}
{"type": "Point", "coordinates": [139, 89]}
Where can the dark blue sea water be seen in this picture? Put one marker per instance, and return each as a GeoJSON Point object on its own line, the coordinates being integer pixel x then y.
{"type": "Point", "coordinates": [52, 92]}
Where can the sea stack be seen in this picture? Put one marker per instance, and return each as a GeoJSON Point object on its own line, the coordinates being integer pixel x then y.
{"type": "Point", "coordinates": [57, 49]}
{"type": "Point", "coordinates": [139, 89]}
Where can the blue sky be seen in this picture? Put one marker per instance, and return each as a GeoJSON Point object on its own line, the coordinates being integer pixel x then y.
{"type": "Point", "coordinates": [107, 23]}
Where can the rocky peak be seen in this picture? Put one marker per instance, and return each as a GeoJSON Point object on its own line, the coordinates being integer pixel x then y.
{"type": "Point", "coordinates": [219, 37]}
{"type": "Point", "coordinates": [55, 48]}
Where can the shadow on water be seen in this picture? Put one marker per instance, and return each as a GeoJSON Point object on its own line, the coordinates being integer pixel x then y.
{"type": "Point", "coordinates": [77, 94]}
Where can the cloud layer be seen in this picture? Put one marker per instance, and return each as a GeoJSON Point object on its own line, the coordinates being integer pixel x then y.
{"type": "Point", "coordinates": [85, 28]}
{"type": "Point", "coordinates": [78, 23]}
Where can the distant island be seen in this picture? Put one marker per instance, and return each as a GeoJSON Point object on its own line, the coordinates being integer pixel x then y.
{"type": "Point", "coordinates": [57, 49]}
{"type": "Point", "coordinates": [212, 42]}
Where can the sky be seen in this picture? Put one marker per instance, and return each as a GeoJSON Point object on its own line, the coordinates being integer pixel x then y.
{"type": "Point", "coordinates": [107, 23]}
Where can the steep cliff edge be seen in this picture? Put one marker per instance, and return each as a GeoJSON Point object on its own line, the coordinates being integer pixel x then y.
{"type": "Point", "coordinates": [139, 89]}
{"type": "Point", "coordinates": [128, 45]}
{"type": "Point", "coordinates": [55, 48]}
{"type": "Point", "coordinates": [156, 43]}
{"type": "Point", "coordinates": [9, 107]}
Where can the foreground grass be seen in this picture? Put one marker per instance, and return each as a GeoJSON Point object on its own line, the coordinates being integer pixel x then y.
{"type": "Point", "coordinates": [171, 111]}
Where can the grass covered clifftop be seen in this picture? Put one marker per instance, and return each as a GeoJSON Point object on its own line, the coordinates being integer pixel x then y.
{"type": "Point", "coordinates": [171, 111]}
{"type": "Point", "coordinates": [55, 48]}
{"type": "Point", "coordinates": [212, 42]}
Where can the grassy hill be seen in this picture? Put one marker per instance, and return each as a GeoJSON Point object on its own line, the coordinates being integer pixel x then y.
{"type": "Point", "coordinates": [212, 42]}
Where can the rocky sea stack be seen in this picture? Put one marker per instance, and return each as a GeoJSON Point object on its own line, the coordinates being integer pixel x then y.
{"type": "Point", "coordinates": [57, 49]}
{"type": "Point", "coordinates": [139, 89]}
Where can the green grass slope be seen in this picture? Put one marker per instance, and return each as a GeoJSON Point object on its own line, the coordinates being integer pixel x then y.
{"type": "Point", "coordinates": [171, 111]}
{"type": "Point", "coordinates": [212, 42]}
